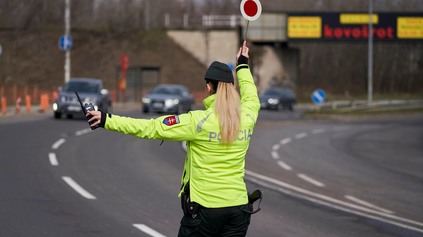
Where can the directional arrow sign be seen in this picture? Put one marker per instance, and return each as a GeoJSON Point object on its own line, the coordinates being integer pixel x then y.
{"type": "Point", "coordinates": [318, 96]}
{"type": "Point", "coordinates": [65, 42]}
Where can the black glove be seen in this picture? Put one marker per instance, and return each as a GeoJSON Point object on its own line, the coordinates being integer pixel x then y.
{"type": "Point", "coordinates": [242, 60]}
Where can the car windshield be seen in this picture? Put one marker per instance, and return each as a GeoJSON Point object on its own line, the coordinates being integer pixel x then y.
{"type": "Point", "coordinates": [82, 86]}
{"type": "Point", "coordinates": [167, 91]}
{"type": "Point", "coordinates": [272, 92]}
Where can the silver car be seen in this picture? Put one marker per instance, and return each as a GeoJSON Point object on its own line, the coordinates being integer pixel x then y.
{"type": "Point", "coordinates": [90, 90]}
{"type": "Point", "coordinates": [278, 98]}
{"type": "Point", "coordinates": [168, 98]}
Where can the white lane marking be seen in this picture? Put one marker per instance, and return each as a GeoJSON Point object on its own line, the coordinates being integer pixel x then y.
{"type": "Point", "coordinates": [148, 230]}
{"type": "Point", "coordinates": [331, 202]}
{"type": "Point", "coordinates": [78, 188]}
{"type": "Point", "coordinates": [82, 132]}
{"type": "Point", "coordinates": [275, 155]}
{"type": "Point", "coordinates": [58, 143]}
{"type": "Point", "coordinates": [276, 147]}
{"type": "Point", "coordinates": [301, 135]}
{"type": "Point", "coordinates": [285, 141]}
{"type": "Point", "coordinates": [310, 180]}
{"type": "Point", "coordinates": [284, 166]}
{"type": "Point", "coordinates": [367, 204]}
{"type": "Point", "coordinates": [53, 159]}
{"type": "Point", "coordinates": [318, 131]}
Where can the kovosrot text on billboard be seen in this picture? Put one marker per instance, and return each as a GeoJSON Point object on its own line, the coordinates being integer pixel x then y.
{"type": "Point", "coordinates": [354, 26]}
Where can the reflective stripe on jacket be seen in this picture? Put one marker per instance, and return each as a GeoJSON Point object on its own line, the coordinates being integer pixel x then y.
{"type": "Point", "coordinates": [215, 169]}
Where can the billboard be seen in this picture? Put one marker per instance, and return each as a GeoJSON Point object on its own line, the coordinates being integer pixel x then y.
{"type": "Point", "coordinates": [354, 26]}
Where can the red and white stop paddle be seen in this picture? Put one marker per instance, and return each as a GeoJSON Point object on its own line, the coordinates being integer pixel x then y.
{"type": "Point", "coordinates": [251, 11]}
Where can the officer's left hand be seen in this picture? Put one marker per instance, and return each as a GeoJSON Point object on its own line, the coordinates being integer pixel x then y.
{"type": "Point", "coordinates": [243, 50]}
{"type": "Point", "coordinates": [242, 55]}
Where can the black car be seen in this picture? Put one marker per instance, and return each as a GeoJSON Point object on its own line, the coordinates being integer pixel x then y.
{"type": "Point", "coordinates": [278, 98]}
{"type": "Point", "coordinates": [168, 98]}
{"type": "Point", "coordinates": [90, 90]}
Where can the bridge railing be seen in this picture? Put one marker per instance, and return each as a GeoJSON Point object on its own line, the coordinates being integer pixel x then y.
{"type": "Point", "coordinates": [222, 20]}
{"type": "Point", "coordinates": [187, 21]}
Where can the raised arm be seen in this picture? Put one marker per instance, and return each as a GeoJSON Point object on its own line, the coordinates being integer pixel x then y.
{"type": "Point", "coordinates": [248, 90]}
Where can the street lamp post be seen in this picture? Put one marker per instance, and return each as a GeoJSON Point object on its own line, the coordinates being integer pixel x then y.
{"type": "Point", "coordinates": [370, 56]}
{"type": "Point", "coordinates": [67, 33]}
{"type": "Point", "coordinates": [147, 15]}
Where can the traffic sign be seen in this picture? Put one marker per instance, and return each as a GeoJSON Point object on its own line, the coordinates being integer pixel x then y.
{"type": "Point", "coordinates": [318, 96]}
{"type": "Point", "coordinates": [231, 66]}
{"type": "Point", "coordinates": [250, 9]}
{"type": "Point", "coordinates": [65, 42]}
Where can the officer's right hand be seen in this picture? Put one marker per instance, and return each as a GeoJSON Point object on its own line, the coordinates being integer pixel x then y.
{"type": "Point", "coordinates": [96, 119]}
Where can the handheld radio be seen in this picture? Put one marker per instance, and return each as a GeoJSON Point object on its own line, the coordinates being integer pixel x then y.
{"type": "Point", "coordinates": [85, 109]}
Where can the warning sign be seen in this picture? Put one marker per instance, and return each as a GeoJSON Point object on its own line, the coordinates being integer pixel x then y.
{"type": "Point", "coordinates": [304, 27]}
{"type": "Point", "coordinates": [410, 27]}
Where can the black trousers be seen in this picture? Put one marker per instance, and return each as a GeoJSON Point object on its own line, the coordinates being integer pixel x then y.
{"type": "Point", "coordinates": [222, 222]}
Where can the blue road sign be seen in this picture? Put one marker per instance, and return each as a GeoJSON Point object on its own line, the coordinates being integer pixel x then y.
{"type": "Point", "coordinates": [65, 42]}
{"type": "Point", "coordinates": [318, 96]}
{"type": "Point", "coordinates": [231, 66]}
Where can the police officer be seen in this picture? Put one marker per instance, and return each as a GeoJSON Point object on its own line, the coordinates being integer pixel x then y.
{"type": "Point", "coordinates": [213, 193]}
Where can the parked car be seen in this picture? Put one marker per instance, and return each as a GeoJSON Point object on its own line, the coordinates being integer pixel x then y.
{"type": "Point", "coordinates": [90, 90]}
{"type": "Point", "coordinates": [168, 98]}
{"type": "Point", "coordinates": [278, 98]}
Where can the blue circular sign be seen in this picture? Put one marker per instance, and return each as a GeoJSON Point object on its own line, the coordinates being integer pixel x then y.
{"type": "Point", "coordinates": [318, 96]}
{"type": "Point", "coordinates": [231, 66]}
{"type": "Point", "coordinates": [65, 42]}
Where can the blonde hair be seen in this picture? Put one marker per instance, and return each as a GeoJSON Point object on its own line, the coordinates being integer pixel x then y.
{"type": "Point", "coordinates": [228, 110]}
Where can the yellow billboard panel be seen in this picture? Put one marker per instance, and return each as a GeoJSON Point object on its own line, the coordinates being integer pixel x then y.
{"type": "Point", "coordinates": [353, 18]}
{"type": "Point", "coordinates": [305, 27]}
{"type": "Point", "coordinates": [410, 27]}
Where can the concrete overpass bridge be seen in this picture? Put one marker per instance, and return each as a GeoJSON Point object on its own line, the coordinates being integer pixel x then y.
{"type": "Point", "coordinates": [219, 38]}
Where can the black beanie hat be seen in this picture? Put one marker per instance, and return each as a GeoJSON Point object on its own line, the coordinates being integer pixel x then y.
{"type": "Point", "coordinates": [219, 72]}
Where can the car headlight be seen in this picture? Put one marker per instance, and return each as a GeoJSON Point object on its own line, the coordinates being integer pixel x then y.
{"type": "Point", "coordinates": [273, 101]}
{"type": "Point", "coordinates": [171, 102]}
{"type": "Point", "coordinates": [55, 107]}
{"type": "Point", "coordinates": [146, 100]}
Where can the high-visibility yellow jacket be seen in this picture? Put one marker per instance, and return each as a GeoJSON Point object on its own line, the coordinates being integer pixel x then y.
{"type": "Point", "coordinates": [215, 170]}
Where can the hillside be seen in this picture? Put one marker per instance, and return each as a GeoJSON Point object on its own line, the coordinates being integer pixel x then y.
{"type": "Point", "coordinates": [33, 58]}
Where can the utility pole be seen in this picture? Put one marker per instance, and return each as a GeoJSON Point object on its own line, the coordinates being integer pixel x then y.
{"type": "Point", "coordinates": [370, 56]}
{"type": "Point", "coordinates": [146, 15]}
{"type": "Point", "coordinates": [67, 33]}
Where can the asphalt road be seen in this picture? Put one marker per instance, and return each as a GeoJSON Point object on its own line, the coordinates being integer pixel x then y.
{"type": "Point", "coordinates": [319, 177]}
